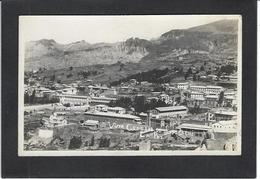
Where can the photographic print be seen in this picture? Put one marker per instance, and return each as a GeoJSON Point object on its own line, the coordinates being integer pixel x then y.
{"type": "Point", "coordinates": [130, 85]}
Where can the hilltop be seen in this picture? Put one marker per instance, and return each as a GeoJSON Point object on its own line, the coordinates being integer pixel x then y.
{"type": "Point", "coordinates": [211, 43]}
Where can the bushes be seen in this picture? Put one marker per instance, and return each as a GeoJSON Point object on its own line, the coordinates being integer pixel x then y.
{"type": "Point", "coordinates": [75, 142]}
{"type": "Point", "coordinates": [104, 142]}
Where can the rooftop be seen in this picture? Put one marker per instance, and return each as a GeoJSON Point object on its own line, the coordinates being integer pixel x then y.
{"type": "Point", "coordinates": [228, 113]}
{"type": "Point", "coordinates": [111, 114]}
{"type": "Point", "coordinates": [193, 126]}
{"type": "Point", "coordinates": [212, 96]}
{"type": "Point", "coordinates": [171, 108]}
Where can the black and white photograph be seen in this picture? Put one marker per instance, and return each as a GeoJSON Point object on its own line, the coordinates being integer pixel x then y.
{"type": "Point", "coordinates": [130, 85]}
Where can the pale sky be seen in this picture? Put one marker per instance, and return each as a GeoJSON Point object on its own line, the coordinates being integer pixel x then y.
{"type": "Point", "coordinates": [95, 29]}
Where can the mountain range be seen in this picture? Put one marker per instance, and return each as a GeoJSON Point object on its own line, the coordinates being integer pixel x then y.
{"type": "Point", "coordinates": [214, 41]}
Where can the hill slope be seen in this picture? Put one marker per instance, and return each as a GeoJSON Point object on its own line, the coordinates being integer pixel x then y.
{"type": "Point", "coordinates": [211, 42]}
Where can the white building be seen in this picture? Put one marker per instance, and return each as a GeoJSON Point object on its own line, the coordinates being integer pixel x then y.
{"type": "Point", "coordinates": [69, 91]}
{"type": "Point", "coordinates": [74, 99]}
{"type": "Point", "coordinates": [171, 111]}
{"type": "Point", "coordinates": [193, 129]}
{"type": "Point", "coordinates": [225, 126]}
{"type": "Point", "coordinates": [207, 89]}
{"type": "Point", "coordinates": [196, 95]}
{"type": "Point", "coordinates": [183, 86]}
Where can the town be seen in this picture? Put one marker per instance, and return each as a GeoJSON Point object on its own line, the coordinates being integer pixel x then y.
{"type": "Point", "coordinates": [195, 111]}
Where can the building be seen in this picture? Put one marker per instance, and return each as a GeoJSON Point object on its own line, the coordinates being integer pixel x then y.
{"type": "Point", "coordinates": [112, 117]}
{"type": "Point", "coordinates": [101, 108]}
{"type": "Point", "coordinates": [196, 95]}
{"type": "Point", "coordinates": [196, 102]}
{"type": "Point", "coordinates": [198, 88]}
{"type": "Point", "coordinates": [109, 92]}
{"type": "Point", "coordinates": [183, 86]}
{"type": "Point", "coordinates": [207, 89]}
{"type": "Point", "coordinates": [195, 130]}
{"type": "Point", "coordinates": [225, 115]}
{"type": "Point", "coordinates": [69, 91]}
{"type": "Point", "coordinates": [229, 126]}
{"type": "Point", "coordinates": [74, 99]}
{"type": "Point", "coordinates": [90, 124]}
{"type": "Point", "coordinates": [165, 98]}
{"type": "Point", "coordinates": [101, 100]}
{"type": "Point", "coordinates": [171, 111]}
{"type": "Point", "coordinates": [214, 89]}
{"type": "Point", "coordinates": [229, 100]}
{"type": "Point", "coordinates": [118, 110]}
{"type": "Point", "coordinates": [211, 101]}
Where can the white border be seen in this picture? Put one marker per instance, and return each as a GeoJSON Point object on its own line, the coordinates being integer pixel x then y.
{"type": "Point", "coordinates": [22, 152]}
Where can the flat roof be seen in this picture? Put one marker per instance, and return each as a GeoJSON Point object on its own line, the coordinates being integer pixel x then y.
{"type": "Point", "coordinates": [211, 96]}
{"type": "Point", "coordinates": [228, 113]}
{"type": "Point", "coordinates": [193, 126]}
{"type": "Point", "coordinates": [102, 98]}
{"type": "Point", "coordinates": [73, 96]}
{"type": "Point", "coordinates": [171, 108]}
{"type": "Point", "coordinates": [217, 87]}
{"type": "Point", "coordinates": [111, 114]}
{"type": "Point", "coordinates": [116, 108]}
{"type": "Point", "coordinates": [195, 86]}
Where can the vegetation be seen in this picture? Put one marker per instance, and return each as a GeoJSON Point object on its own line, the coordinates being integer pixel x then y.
{"type": "Point", "coordinates": [32, 99]}
{"type": "Point", "coordinates": [154, 76]}
{"type": "Point", "coordinates": [139, 103]}
{"type": "Point", "coordinates": [75, 142]}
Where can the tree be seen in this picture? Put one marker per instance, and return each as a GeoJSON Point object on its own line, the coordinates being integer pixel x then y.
{"type": "Point", "coordinates": [186, 76]}
{"type": "Point", "coordinates": [221, 98]}
{"type": "Point", "coordinates": [139, 103]}
{"type": "Point", "coordinates": [194, 77]}
{"type": "Point", "coordinates": [202, 68]}
{"type": "Point", "coordinates": [92, 141]}
{"type": "Point", "coordinates": [75, 142]}
{"type": "Point", "coordinates": [71, 68]}
{"type": "Point", "coordinates": [189, 71]}
{"type": "Point", "coordinates": [32, 97]}
{"type": "Point", "coordinates": [52, 77]}
{"type": "Point", "coordinates": [26, 98]}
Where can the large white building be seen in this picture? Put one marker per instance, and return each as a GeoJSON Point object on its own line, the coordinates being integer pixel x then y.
{"type": "Point", "coordinates": [207, 89]}
{"type": "Point", "coordinates": [183, 86]}
{"type": "Point", "coordinates": [74, 99]}
{"type": "Point", "coordinates": [171, 111]}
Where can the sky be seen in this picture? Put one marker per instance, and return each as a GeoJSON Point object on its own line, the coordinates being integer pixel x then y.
{"type": "Point", "coordinates": [110, 29]}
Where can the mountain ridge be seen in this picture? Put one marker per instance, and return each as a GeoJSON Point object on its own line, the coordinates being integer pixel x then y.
{"type": "Point", "coordinates": [211, 39]}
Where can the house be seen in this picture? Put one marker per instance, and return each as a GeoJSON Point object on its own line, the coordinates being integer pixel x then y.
{"type": "Point", "coordinates": [69, 91]}
{"type": "Point", "coordinates": [171, 111]}
{"type": "Point", "coordinates": [229, 100]}
{"type": "Point", "coordinates": [207, 89]}
{"type": "Point", "coordinates": [101, 107]}
{"type": "Point", "coordinates": [182, 86]}
{"type": "Point", "coordinates": [195, 130]}
{"type": "Point", "coordinates": [109, 92]}
{"type": "Point", "coordinates": [225, 115]}
{"type": "Point", "coordinates": [111, 116]}
{"type": "Point", "coordinates": [196, 95]}
{"type": "Point", "coordinates": [211, 101]}
{"type": "Point", "coordinates": [118, 110]}
{"type": "Point", "coordinates": [165, 98]}
{"type": "Point", "coordinates": [229, 126]}
{"type": "Point", "coordinates": [91, 124]}
{"type": "Point", "coordinates": [101, 100]}
{"type": "Point", "coordinates": [74, 99]}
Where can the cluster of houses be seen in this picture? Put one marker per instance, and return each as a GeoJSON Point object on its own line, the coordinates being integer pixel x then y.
{"type": "Point", "coordinates": [208, 96]}
{"type": "Point", "coordinates": [172, 118]}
